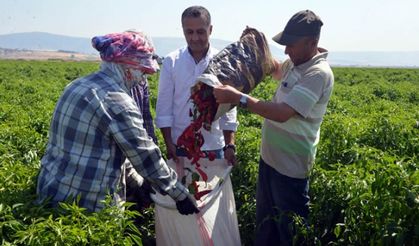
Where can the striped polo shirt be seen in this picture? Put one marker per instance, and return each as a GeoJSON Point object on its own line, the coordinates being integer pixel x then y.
{"type": "Point", "coordinates": [290, 147]}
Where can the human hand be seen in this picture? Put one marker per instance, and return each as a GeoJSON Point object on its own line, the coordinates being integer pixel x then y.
{"type": "Point", "coordinates": [277, 72]}
{"type": "Point", "coordinates": [140, 195]}
{"type": "Point", "coordinates": [187, 206]}
{"type": "Point", "coordinates": [230, 156]}
{"type": "Point", "coordinates": [171, 152]}
{"type": "Point", "coordinates": [226, 94]}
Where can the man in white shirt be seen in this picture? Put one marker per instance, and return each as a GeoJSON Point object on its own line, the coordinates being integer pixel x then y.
{"type": "Point", "coordinates": [179, 72]}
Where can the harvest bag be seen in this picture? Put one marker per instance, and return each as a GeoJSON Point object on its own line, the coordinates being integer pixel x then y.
{"type": "Point", "coordinates": [215, 224]}
{"type": "Point", "coordinates": [242, 64]}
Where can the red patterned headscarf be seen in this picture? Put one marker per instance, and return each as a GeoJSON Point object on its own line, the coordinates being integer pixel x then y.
{"type": "Point", "coordinates": [130, 48]}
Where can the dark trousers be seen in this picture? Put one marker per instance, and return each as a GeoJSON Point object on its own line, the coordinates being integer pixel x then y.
{"type": "Point", "coordinates": [277, 197]}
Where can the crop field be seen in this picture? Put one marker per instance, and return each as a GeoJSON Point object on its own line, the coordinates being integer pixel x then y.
{"type": "Point", "coordinates": [364, 188]}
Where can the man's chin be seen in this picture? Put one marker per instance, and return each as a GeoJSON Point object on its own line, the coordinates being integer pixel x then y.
{"type": "Point", "coordinates": [197, 48]}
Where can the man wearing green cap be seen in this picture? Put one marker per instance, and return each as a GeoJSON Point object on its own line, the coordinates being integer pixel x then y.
{"type": "Point", "coordinates": [291, 129]}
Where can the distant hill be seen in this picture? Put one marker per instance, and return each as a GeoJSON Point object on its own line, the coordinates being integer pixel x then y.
{"type": "Point", "coordinates": [51, 42]}
{"type": "Point", "coordinates": [25, 54]}
{"type": "Point", "coordinates": [46, 41]}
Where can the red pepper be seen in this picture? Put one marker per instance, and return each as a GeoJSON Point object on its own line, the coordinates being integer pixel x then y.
{"type": "Point", "coordinates": [202, 173]}
{"type": "Point", "coordinates": [204, 108]}
{"type": "Point", "coordinates": [211, 155]}
{"type": "Point", "coordinates": [200, 194]}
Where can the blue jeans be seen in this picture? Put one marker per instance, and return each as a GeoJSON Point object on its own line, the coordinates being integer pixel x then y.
{"type": "Point", "coordinates": [277, 197]}
{"type": "Point", "coordinates": [219, 153]}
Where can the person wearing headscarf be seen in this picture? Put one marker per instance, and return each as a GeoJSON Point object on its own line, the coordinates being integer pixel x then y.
{"type": "Point", "coordinates": [139, 91]}
{"type": "Point", "coordinates": [97, 142]}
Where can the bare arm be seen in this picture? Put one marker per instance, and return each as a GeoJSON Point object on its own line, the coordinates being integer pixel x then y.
{"type": "Point", "coordinates": [280, 112]}
{"type": "Point", "coordinates": [228, 137]}
{"type": "Point", "coordinates": [170, 146]}
{"type": "Point", "coordinates": [277, 73]}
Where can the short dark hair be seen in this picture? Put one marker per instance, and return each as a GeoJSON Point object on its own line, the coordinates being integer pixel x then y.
{"type": "Point", "coordinates": [197, 12]}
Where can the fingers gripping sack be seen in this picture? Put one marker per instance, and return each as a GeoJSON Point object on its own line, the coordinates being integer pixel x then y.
{"type": "Point", "coordinates": [140, 196]}
{"type": "Point", "coordinates": [187, 206]}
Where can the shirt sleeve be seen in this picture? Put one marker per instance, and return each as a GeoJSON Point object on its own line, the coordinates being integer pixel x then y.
{"type": "Point", "coordinates": [131, 137]}
{"type": "Point", "coordinates": [306, 93]}
{"type": "Point", "coordinates": [228, 121]}
{"type": "Point", "coordinates": [164, 105]}
{"type": "Point", "coordinates": [133, 179]}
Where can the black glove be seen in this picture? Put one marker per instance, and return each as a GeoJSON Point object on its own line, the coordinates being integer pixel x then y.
{"type": "Point", "coordinates": [186, 206]}
{"type": "Point", "coordinates": [140, 195]}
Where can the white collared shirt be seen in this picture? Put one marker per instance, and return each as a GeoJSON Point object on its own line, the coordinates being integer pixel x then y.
{"type": "Point", "coordinates": [177, 76]}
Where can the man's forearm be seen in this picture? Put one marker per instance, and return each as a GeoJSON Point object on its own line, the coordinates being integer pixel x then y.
{"type": "Point", "coordinates": [228, 137]}
{"type": "Point", "coordinates": [167, 135]}
{"type": "Point", "coordinates": [279, 112]}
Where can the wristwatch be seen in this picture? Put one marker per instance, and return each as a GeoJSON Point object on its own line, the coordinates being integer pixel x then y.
{"type": "Point", "coordinates": [229, 146]}
{"type": "Point", "coordinates": [243, 100]}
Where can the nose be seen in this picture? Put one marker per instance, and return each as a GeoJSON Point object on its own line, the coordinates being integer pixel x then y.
{"type": "Point", "coordinates": [195, 36]}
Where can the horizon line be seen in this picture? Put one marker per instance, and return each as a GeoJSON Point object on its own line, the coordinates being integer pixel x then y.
{"type": "Point", "coordinates": [224, 40]}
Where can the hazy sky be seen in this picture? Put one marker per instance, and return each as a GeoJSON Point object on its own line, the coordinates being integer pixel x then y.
{"type": "Point", "coordinates": [354, 25]}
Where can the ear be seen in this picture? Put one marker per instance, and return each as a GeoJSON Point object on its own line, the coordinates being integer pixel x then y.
{"type": "Point", "coordinates": [210, 29]}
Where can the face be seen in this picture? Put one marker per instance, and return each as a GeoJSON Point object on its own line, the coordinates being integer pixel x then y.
{"type": "Point", "coordinates": [197, 33]}
{"type": "Point", "coordinates": [133, 77]}
{"type": "Point", "coordinates": [301, 51]}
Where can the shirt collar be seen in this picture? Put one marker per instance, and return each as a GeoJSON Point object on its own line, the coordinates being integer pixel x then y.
{"type": "Point", "coordinates": [321, 56]}
{"type": "Point", "coordinates": [207, 57]}
{"type": "Point", "coordinates": [113, 71]}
